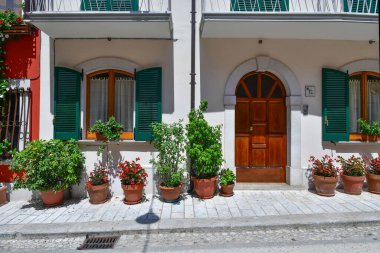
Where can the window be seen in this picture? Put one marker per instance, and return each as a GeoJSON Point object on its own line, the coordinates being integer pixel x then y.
{"type": "Point", "coordinates": [260, 5]}
{"type": "Point", "coordinates": [361, 6]}
{"type": "Point", "coordinates": [110, 5]}
{"type": "Point", "coordinates": [364, 99]}
{"type": "Point", "coordinates": [111, 93]}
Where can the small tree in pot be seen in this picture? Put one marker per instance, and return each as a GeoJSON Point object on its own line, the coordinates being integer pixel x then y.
{"type": "Point", "coordinates": [227, 182]}
{"type": "Point", "coordinates": [373, 175]}
{"type": "Point", "coordinates": [204, 149]}
{"type": "Point", "coordinates": [169, 140]}
{"type": "Point", "coordinates": [324, 175]}
{"type": "Point", "coordinates": [352, 172]}
{"type": "Point", "coordinates": [50, 167]}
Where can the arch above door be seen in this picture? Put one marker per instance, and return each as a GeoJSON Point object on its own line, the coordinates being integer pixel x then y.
{"type": "Point", "coordinates": [293, 110]}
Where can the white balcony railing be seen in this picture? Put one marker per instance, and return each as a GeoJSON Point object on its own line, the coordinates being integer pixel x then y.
{"type": "Point", "coordinates": [292, 6]}
{"type": "Point", "coordinates": [70, 6]}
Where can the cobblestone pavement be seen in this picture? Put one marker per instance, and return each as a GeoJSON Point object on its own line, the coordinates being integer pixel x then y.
{"type": "Point", "coordinates": [242, 204]}
{"type": "Point", "coordinates": [215, 241]}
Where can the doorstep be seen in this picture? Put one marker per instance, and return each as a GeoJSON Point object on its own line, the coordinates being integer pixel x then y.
{"type": "Point", "coordinates": [268, 186]}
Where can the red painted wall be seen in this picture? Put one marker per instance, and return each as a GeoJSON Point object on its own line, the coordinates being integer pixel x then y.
{"type": "Point", "coordinates": [23, 62]}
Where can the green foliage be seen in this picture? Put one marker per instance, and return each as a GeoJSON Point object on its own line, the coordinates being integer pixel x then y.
{"type": "Point", "coordinates": [204, 146]}
{"type": "Point", "coordinates": [111, 129]}
{"type": "Point", "coordinates": [48, 165]}
{"type": "Point", "coordinates": [368, 128]}
{"type": "Point", "coordinates": [6, 150]}
{"type": "Point", "coordinates": [353, 166]}
{"type": "Point", "coordinates": [169, 140]}
{"type": "Point", "coordinates": [227, 177]}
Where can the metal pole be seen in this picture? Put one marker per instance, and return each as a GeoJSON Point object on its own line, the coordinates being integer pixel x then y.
{"type": "Point", "coordinates": [192, 74]}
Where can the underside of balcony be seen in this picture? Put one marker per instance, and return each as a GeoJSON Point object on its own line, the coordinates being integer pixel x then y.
{"type": "Point", "coordinates": [290, 26]}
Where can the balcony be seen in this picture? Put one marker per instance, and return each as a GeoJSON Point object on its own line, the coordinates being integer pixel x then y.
{"type": "Point", "coordinates": [101, 18]}
{"type": "Point", "coordinates": [291, 19]}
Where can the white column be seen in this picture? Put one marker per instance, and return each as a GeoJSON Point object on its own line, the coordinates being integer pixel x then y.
{"type": "Point", "coordinates": [47, 87]}
{"type": "Point", "coordinates": [229, 132]}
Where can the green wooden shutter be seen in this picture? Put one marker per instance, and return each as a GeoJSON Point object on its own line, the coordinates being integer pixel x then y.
{"type": "Point", "coordinates": [125, 5]}
{"type": "Point", "coordinates": [335, 105]}
{"type": "Point", "coordinates": [361, 6]}
{"type": "Point", "coordinates": [95, 5]}
{"type": "Point", "coordinates": [110, 5]}
{"type": "Point", "coordinates": [148, 102]}
{"type": "Point", "coordinates": [67, 104]}
{"type": "Point", "coordinates": [260, 5]}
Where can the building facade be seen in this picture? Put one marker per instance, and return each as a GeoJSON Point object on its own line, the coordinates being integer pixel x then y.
{"type": "Point", "coordinates": [286, 78]}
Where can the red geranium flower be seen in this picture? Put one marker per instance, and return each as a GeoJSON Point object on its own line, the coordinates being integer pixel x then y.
{"type": "Point", "coordinates": [19, 20]}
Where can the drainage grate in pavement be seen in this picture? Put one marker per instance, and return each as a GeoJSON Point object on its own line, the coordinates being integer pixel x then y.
{"type": "Point", "coordinates": [106, 242]}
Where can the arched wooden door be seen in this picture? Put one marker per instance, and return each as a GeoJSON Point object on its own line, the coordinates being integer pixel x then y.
{"type": "Point", "coordinates": [260, 129]}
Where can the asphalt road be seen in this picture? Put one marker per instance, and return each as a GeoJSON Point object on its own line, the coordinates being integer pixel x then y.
{"type": "Point", "coordinates": [343, 239]}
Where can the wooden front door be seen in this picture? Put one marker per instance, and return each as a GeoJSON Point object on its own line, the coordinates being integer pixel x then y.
{"type": "Point", "coordinates": [260, 126]}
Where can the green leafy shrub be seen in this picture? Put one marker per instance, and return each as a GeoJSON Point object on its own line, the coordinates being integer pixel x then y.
{"type": "Point", "coordinates": [169, 140]}
{"type": "Point", "coordinates": [227, 177]}
{"type": "Point", "coordinates": [48, 165]}
{"type": "Point", "coordinates": [6, 150]}
{"type": "Point", "coordinates": [204, 145]}
{"type": "Point", "coordinates": [111, 129]}
{"type": "Point", "coordinates": [369, 128]}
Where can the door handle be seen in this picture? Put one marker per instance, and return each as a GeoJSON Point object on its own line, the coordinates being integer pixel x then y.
{"type": "Point", "coordinates": [326, 121]}
{"type": "Point", "coordinates": [251, 128]}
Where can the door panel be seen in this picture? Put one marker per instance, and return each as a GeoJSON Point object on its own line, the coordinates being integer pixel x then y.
{"type": "Point", "coordinates": [258, 157]}
{"type": "Point", "coordinates": [259, 132]}
{"type": "Point", "coordinates": [242, 124]}
{"type": "Point", "coordinates": [259, 109]}
{"type": "Point", "coordinates": [277, 114]}
{"type": "Point", "coordinates": [275, 151]}
{"type": "Point", "coordinates": [242, 151]}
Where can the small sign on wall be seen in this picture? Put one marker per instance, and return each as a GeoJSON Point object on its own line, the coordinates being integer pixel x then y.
{"type": "Point", "coordinates": [309, 91]}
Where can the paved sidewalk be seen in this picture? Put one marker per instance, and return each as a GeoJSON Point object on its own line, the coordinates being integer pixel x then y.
{"type": "Point", "coordinates": [264, 206]}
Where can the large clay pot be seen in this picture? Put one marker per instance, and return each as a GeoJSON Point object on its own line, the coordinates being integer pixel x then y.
{"type": "Point", "coordinates": [373, 183]}
{"type": "Point", "coordinates": [100, 137]}
{"type": "Point", "coordinates": [205, 188]}
{"type": "Point", "coordinates": [325, 186]}
{"type": "Point", "coordinates": [170, 194]}
{"type": "Point", "coordinates": [133, 193]}
{"type": "Point", "coordinates": [227, 190]}
{"type": "Point", "coordinates": [51, 198]}
{"type": "Point", "coordinates": [98, 193]}
{"type": "Point", "coordinates": [353, 185]}
{"type": "Point", "coordinates": [3, 195]}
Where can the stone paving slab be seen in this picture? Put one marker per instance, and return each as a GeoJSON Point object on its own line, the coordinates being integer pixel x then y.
{"type": "Point", "coordinates": [251, 205]}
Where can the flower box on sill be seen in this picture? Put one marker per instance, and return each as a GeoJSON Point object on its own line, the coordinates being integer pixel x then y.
{"type": "Point", "coordinates": [18, 30]}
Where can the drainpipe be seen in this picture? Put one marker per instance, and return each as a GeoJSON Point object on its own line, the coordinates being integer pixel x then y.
{"type": "Point", "coordinates": [192, 74]}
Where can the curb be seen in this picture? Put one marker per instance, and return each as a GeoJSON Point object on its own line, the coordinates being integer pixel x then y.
{"type": "Point", "coordinates": [150, 226]}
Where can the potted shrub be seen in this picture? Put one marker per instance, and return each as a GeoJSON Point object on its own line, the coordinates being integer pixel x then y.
{"type": "Point", "coordinates": [49, 167]}
{"type": "Point", "coordinates": [169, 140]}
{"type": "Point", "coordinates": [324, 175]}
{"type": "Point", "coordinates": [373, 175]}
{"type": "Point", "coordinates": [204, 149]}
{"type": "Point", "coordinates": [133, 179]}
{"type": "Point", "coordinates": [375, 129]}
{"type": "Point", "coordinates": [352, 172]}
{"type": "Point", "coordinates": [107, 131]}
{"type": "Point", "coordinates": [369, 131]}
{"type": "Point", "coordinates": [3, 194]}
{"type": "Point", "coordinates": [97, 185]}
{"type": "Point", "coordinates": [227, 182]}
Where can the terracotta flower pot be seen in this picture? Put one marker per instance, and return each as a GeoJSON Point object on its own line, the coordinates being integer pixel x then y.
{"type": "Point", "coordinates": [205, 188]}
{"type": "Point", "coordinates": [372, 138]}
{"type": "Point", "coordinates": [133, 193]}
{"type": "Point", "coordinates": [227, 190]}
{"type": "Point", "coordinates": [100, 137]}
{"type": "Point", "coordinates": [3, 195]}
{"type": "Point", "coordinates": [364, 137]}
{"type": "Point", "coordinates": [373, 183]}
{"type": "Point", "coordinates": [325, 186]}
{"type": "Point", "coordinates": [353, 185]}
{"type": "Point", "coordinates": [98, 193]}
{"type": "Point", "coordinates": [170, 194]}
{"type": "Point", "coordinates": [51, 198]}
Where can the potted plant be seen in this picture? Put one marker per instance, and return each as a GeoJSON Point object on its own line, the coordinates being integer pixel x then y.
{"type": "Point", "coordinates": [3, 194]}
{"type": "Point", "coordinates": [6, 150]}
{"type": "Point", "coordinates": [107, 131]}
{"type": "Point", "coordinates": [375, 129]}
{"type": "Point", "coordinates": [324, 175]}
{"type": "Point", "coordinates": [97, 185]}
{"type": "Point", "coordinates": [204, 149]}
{"type": "Point", "coordinates": [365, 129]}
{"type": "Point", "coordinates": [169, 140]}
{"type": "Point", "coordinates": [369, 130]}
{"type": "Point", "coordinates": [227, 182]}
{"type": "Point", "coordinates": [50, 167]}
{"type": "Point", "coordinates": [133, 179]}
{"type": "Point", "coordinates": [373, 175]}
{"type": "Point", "coordinates": [352, 172]}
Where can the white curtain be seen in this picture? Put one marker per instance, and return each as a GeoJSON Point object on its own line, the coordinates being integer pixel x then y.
{"type": "Point", "coordinates": [98, 99]}
{"type": "Point", "coordinates": [374, 100]}
{"type": "Point", "coordinates": [354, 104]}
{"type": "Point", "coordinates": [124, 101]}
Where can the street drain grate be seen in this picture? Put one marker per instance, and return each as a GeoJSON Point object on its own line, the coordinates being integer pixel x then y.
{"type": "Point", "coordinates": [106, 242]}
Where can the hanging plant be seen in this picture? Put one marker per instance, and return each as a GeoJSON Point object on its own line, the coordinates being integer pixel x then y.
{"type": "Point", "coordinates": [8, 19]}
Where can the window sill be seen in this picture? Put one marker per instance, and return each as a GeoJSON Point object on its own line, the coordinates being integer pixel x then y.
{"type": "Point", "coordinates": [112, 143]}
{"type": "Point", "coordinates": [374, 143]}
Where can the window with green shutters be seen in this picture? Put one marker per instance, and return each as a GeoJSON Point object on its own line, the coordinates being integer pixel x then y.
{"type": "Point", "coordinates": [335, 105]}
{"type": "Point", "coordinates": [361, 6]}
{"type": "Point", "coordinates": [260, 5]}
{"type": "Point", "coordinates": [148, 102]}
{"type": "Point", "coordinates": [67, 104]}
{"type": "Point", "coordinates": [110, 5]}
